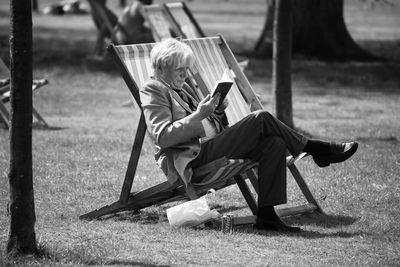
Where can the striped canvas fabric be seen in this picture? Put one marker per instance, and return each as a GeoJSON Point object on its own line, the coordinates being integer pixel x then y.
{"type": "Point", "coordinates": [210, 63]}
{"type": "Point", "coordinates": [183, 20]}
{"type": "Point", "coordinates": [231, 168]}
{"type": "Point", "coordinates": [136, 59]}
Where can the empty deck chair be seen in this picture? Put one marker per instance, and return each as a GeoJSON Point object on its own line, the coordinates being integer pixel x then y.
{"type": "Point", "coordinates": [160, 22]}
{"type": "Point", "coordinates": [213, 57]}
{"type": "Point", "coordinates": [183, 17]}
{"type": "Point", "coordinates": [5, 97]}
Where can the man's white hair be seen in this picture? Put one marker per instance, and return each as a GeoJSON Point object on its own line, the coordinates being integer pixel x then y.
{"type": "Point", "coordinates": [171, 53]}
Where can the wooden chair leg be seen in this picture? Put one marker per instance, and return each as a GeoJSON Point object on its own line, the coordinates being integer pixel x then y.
{"type": "Point", "coordinates": [246, 193]}
{"type": "Point", "coordinates": [252, 175]}
{"type": "Point", "coordinates": [304, 187]}
{"type": "Point", "coordinates": [133, 160]}
{"type": "Point", "coordinates": [39, 117]}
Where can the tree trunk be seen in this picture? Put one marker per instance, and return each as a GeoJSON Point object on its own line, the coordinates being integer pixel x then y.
{"type": "Point", "coordinates": [319, 31]}
{"type": "Point", "coordinates": [22, 210]}
{"type": "Point", "coordinates": [282, 56]}
{"type": "Point", "coordinates": [263, 45]}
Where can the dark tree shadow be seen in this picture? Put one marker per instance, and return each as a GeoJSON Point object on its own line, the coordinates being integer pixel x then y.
{"type": "Point", "coordinates": [43, 253]}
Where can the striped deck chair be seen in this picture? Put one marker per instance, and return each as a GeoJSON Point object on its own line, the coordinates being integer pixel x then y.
{"type": "Point", "coordinates": [161, 24]}
{"type": "Point", "coordinates": [213, 56]}
{"type": "Point", "coordinates": [183, 17]}
{"type": "Point", "coordinates": [5, 97]}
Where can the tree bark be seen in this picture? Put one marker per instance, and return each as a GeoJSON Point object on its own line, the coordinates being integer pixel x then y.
{"type": "Point", "coordinates": [319, 31]}
{"type": "Point", "coordinates": [282, 56]}
{"type": "Point", "coordinates": [22, 210]}
{"type": "Point", "coordinates": [263, 45]}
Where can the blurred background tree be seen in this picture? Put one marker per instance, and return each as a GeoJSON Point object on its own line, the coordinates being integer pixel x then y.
{"type": "Point", "coordinates": [319, 31]}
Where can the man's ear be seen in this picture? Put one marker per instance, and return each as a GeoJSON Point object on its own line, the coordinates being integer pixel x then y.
{"type": "Point", "coordinates": [160, 70]}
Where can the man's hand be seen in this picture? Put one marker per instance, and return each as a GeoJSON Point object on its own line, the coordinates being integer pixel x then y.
{"type": "Point", "coordinates": [207, 106]}
{"type": "Point", "coordinates": [223, 106]}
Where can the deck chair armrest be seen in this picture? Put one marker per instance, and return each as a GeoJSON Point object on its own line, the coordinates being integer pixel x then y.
{"type": "Point", "coordinates": [291, 160]}
{"type": "Point", "coordinates": [36, 84]}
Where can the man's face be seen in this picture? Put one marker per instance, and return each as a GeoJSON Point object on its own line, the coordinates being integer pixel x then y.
{"type": "Point", "coordinates": [175, 76]}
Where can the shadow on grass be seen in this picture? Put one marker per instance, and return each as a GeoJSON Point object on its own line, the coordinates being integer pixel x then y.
{"type": "Point", "coordinates": [227, 209]}
{"type": "Point", "coordinates": [390, 139]}
{"type": "Point", "coordinates": [53, 257]}
{"type": "Point", "coordinates": [40, 128]}
{"type": "Point", "coordinates": [47, 128]}
{"type": "Point", "coordinates": [141, 216]}
{"type": "Point", "coordinates": [308, 234]}
{"type": "Point", "coordinates": [322, 220]}
{"type": "Point", "coordinates": [317, 220]}
{"type": "Point", "coordinates": [74, 53]}
{"type": "Point", "coordinates": [155, 215]}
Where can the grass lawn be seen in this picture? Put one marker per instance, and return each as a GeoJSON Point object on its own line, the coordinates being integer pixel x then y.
{"type": "Point", "coordinates": [79, 165]}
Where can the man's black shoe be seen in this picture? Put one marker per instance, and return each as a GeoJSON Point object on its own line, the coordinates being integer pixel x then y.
{"type": "Point", "coordinates": [339, 152]}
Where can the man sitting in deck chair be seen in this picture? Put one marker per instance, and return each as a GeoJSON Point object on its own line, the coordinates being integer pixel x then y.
{"type": "Point", "coordinates": [189, 132]}
{"type": "Point", "coordinates": [130, 28]}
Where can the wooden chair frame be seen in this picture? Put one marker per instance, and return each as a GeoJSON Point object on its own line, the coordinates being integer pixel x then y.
{"type": "Point", "coordinates": [166, 192]}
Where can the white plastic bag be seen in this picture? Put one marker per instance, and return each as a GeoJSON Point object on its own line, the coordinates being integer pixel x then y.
{"type": "Point", "coordinates": [191, 213]}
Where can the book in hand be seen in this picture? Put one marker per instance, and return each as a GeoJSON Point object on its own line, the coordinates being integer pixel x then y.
{"type": "Point", "coordinates": [223, 86]}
